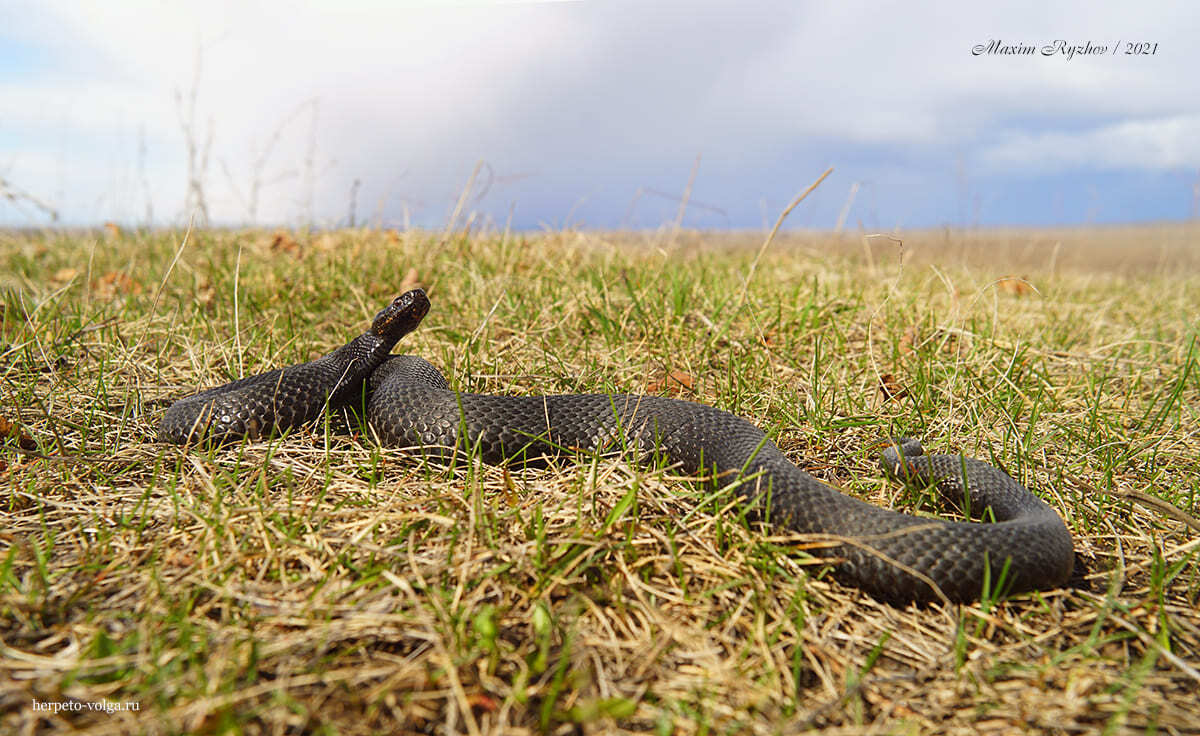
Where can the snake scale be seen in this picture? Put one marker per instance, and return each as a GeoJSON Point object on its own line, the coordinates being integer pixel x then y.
{"type": "Point", "coordinates": [892, 555]}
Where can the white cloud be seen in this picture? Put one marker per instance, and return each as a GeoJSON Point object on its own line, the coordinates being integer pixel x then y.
{"type": "Point", "coordinates": [1167, 143]}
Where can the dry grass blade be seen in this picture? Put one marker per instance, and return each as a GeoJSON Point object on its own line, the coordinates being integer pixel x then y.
{"type": "Point", "coordinates": [774, 230]}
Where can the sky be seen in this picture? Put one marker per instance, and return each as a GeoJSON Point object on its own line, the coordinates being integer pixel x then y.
{"type": "Point", "coordinates": [597, 114]}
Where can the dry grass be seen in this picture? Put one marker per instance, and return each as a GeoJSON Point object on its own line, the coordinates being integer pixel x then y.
{"type": "Point", "coordinates": [316, 583]}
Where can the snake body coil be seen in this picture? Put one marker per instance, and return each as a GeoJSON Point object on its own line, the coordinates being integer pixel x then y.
{"type": "Point", "coordinates": [891, 555]}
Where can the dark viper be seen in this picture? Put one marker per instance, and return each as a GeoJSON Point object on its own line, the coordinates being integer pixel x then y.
{"type": "Point", "coordinates": [891, 555]}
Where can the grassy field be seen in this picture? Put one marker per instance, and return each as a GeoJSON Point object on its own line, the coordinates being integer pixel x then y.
{"type": "Point", "coordinates": [317, 583]}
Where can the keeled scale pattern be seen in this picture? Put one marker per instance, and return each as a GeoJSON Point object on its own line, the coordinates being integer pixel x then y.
{"type": "Point", "coordinates": [277, 400]}
{"type": "Point", "coordinates": [892, 555]}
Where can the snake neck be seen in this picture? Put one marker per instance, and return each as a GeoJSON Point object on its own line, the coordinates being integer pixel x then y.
{"type": "Point", "coordinates": [357, 359]}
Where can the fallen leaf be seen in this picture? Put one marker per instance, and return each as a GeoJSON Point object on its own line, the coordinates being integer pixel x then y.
{"type": "Point", "coordinates": [283, 242]}
{"type": "Point", "coordinates": [891, 388]}
{"type": "Point", "coordinates": [907, 340]}
{"type": "Point", "coordinates": [24, 441]}
{"type": "Point", "coordinates": [115, 282]}
{"type": "Point", "coordinates": [673, 382]}
{"type": "Point", "coordinates": [483, 703]}
{"type": "Point", "coordinates": [1015, 285]}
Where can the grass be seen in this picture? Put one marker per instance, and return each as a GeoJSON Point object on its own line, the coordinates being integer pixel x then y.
{"type": "Point", "coordinates": [317, 583]}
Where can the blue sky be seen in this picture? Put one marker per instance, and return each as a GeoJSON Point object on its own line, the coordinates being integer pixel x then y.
{"type": "Point", "coordinates": [593, 113]}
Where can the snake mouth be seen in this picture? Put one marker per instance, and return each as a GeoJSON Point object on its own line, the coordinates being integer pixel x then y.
{"type": "Point", "coordinates": [401, 316]}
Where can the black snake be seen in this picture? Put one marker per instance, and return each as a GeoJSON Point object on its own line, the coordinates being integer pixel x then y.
{"type": "Point", "coordinates": [892, 555]}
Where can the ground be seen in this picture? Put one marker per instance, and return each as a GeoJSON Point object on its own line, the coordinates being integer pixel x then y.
{"type": "Point", "coordinates": [318, 583]}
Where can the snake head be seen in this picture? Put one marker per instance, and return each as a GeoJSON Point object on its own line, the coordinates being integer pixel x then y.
{"type": "Point", "coordinates": [401, 316]}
